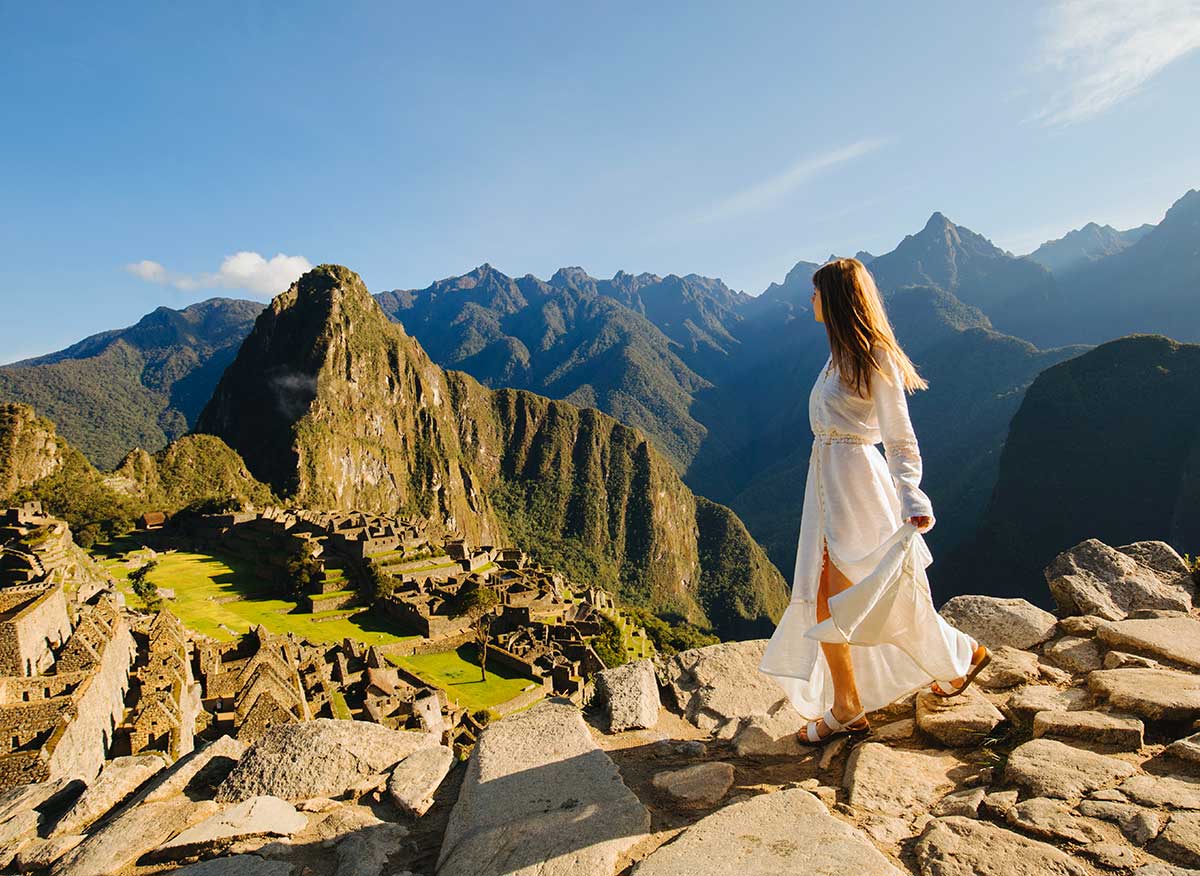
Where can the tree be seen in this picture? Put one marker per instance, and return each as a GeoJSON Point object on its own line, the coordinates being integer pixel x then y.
{"type": "Point", "coordinates": [479, 603]}
{"type": "Point", "coordinates": [379, 582]}
{"type": "Point", "coordinates": [145, 589]}
{"type": "Point", "coordinates": [303, 568]}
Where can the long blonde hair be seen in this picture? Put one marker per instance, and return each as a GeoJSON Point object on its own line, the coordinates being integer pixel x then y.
{"type": "Point", "coordinates": [855, 321]}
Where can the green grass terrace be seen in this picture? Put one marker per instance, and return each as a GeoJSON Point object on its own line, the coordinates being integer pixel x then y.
{"type": "Point", "coordinates": [221, 597]}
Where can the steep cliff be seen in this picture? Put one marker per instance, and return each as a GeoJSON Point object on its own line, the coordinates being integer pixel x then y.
{"type": "Point", "coordinates": [30, 449]}
{"type": "Point", "coordinates": [336, 407]}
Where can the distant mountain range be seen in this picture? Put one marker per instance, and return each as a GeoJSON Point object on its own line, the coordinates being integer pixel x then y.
{"type": "Point", "coordinates": [141, 386]}
{"type": "Point", "coordinates": [717, 378]}
{"type": "Point", "coordinates": [1084, 245]}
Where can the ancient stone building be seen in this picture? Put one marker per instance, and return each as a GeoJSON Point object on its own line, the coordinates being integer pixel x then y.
{"type": "Point", "coordinates": [254, 683]}
{"type": "Point", "coordinates": [33, 622]}
{"type": "Point", "coordinates": [169, 703]}
{"type": "Point", "coordinates": [62, 724]}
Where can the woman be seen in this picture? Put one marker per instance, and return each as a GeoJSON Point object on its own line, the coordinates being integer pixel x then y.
{"type": "Point", "coordinates": [861, 630]}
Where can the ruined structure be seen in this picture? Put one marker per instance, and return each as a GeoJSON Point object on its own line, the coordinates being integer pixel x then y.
{"type": "Point", "coordinates": [168, 706]}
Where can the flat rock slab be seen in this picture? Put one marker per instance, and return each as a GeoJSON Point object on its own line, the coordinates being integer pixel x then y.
{"type": "Point", "coordinates": [256, 817]}
{"type": "Point", "coordinates": [1093, 578]}
{"type": "Point", "coordinates": [1187, 748]}
{"type": "Point", "coordinates": [119, 778]}
{"type": "Point", "coordinates": [236, 865]}
{"type": "Point", "coordinates": [130, 835]}
{"type": "Point", "coordinates": [1028, 701]}
{"type": "Point", "coordinates": [899, 782]}
{"type": "Point", "coordinates": [1047, 768]}
{"type": "Point", "coordinates": [1054, 819]}
{"type": "Point", "coordinates": [415, 779]}
{"type": "Point", "coordinates": [41, 854]}
{"type": "Point", "coordinates": [1172, 638]}
{"type": "Point", "coordinates": [996, 622]}
{"type": "Point", "coordinates": [700, 786]}
{"type": "Point", "coordinates": [366, 852]}
{"type": "Point", "coordinates": [787, 831]}
{"type": "Point", "coordinates": [721, 683]}
{"type": "Point", "coordinates": [321, 758]}
{"type": "Point", "coordinates": [1008, 668]}
{"type": "Point", "coordinates": [958, 721]}
{"type": "Point", "coordinates": [1074, 654]}
{"type": "Point", "coordinates": [630, 695]}
{"type": "Point", "coordinates": [958, 846]}
{"type": "Point", "coordinates": [1154, 694]}
{"type": "Point", "coordinates": [1179, 841]}
{"type": "Point", "coordinates": [1099, 727]}
{"type": "Point", "coordinates": [1138, 823]}
{"type": "Point", "coordinates": [540, 797]}
{"type": "Point", "coordinates": [770, 735]}
{"type": "Point", "coordinates": [1172, 792]}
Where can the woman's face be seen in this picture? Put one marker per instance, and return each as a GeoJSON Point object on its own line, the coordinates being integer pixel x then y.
{"type": "Point", "coordinates": [816, 306]}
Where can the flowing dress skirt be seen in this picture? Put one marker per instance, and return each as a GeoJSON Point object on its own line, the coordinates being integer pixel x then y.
{"type": "Point", "coordinates": [898, 641]}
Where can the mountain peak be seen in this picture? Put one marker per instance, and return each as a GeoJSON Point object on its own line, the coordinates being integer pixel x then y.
{"type": "Point", "coordinates": [938, 222]}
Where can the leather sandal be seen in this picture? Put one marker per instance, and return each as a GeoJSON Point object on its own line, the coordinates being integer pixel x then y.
{"type": "Point", "coordinates": [857, 724]}
{"type": "Point", "coordinates": [976, 668]}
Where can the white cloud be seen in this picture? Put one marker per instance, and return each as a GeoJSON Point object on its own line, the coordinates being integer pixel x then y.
{"type": "Point", "coordinates": [770, 191]}
{"type": "Point", "coordinates": [1103, 51]}
{"type": "Point", "coordinates": [243, 270]}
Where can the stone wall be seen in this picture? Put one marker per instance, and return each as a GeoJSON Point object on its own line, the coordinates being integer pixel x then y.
{"type": "Point", "coordinates": [28, 634]}
{"type": "Point", "coordinates": [78, 748]}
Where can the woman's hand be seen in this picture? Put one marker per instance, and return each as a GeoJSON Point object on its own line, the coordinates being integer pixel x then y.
{"type": "Point", "coordinates": [921, 522]}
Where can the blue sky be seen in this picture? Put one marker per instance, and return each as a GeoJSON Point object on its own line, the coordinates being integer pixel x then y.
{"type": "Point", "coordinates": [148, 145]}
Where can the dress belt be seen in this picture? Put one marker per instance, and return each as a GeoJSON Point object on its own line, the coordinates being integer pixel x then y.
{"type": "Point", "coordinates": [836, 436]}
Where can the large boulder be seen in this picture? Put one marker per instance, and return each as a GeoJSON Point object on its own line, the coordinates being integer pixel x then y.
{"type": "Point", "coordinates": [321, 758]}
{"type": "Point", "coordinates": [720, 684]}
{"type": "Point", "coordinates": [216, 758]}
{"type": "Point", "coordinates": [540, 797]}
{"type": "Point", "coordinates": [130, 835]}
{"type": "Point", "coordinates": [119, 778]}
{"type": "Point", "coordinates": [630, 695]}
{"type": "Point", "coordinates": [788, 831]}
{"type": "Point", "coordinates": [997, 622]}
{"type": "Point", "coordinates": [1093, 578]}
{"type": "Point", "coordinates": [415, 779]}
{"type": "Point", "coordinates": [256, 817]}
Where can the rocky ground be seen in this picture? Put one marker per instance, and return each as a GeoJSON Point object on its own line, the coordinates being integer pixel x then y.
{"type": "Point", "coordinates": [1077, 753]}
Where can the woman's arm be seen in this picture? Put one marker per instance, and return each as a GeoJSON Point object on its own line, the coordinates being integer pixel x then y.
{"type": "Point", "coordinates": [899, 439]}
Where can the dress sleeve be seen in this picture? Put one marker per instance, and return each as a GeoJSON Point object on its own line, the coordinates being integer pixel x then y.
{"type": "Point", "coordinates": [899, 439]}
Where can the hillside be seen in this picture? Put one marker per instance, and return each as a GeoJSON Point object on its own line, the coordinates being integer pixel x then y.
{"type": "Point", "coordinates": [336, 407]}
{"type": "Point", "coordinates": [1106, 444]}
{"type": "Point", "coordinates": [140, 386]}
{"type": "Point", "coordinates": [30, 448]}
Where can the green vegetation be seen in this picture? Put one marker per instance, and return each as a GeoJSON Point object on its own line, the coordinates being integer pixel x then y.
{"type": "Point", "coordinates": [77, 493]}
{"type": "Point", "coordinates": [479, 603]}
{"type": "Point", "coordinates": [145, 589]}
{"type": "Point", "coordinates": [221, 597]}
{"type": "Point", "coordinates": [303, 569]}
{"type": "Point", "coordinates": [140, 386]}
{"type": "Point", "coordinates": [609, 645]}
{"type": "Point", "coordinates": [379, 584]}
{"type": "Point", "coordinates": [457, 673]}
{"type": "Point", "coordinates": [670, 635]}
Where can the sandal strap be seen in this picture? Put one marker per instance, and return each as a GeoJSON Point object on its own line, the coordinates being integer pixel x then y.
{"type": "Point", "coordinates": [831, 722]}
{"type": "Point", "coordinates": [810, 732]}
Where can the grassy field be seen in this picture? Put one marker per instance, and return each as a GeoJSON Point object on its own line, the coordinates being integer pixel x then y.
{"type": "Point", "coordinates": [457, 673]}
{"type": "Point", "coordinates": [199, 580]}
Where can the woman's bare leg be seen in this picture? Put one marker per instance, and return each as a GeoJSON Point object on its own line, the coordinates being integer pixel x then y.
{"type": "Point", "coordinates": [845, 691]}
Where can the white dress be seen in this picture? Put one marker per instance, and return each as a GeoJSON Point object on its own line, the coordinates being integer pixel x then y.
{"type": "Point", "coordinates": [859, 503]}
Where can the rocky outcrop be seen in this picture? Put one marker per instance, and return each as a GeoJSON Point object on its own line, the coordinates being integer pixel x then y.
{"type": "Point", "coordinates": [325, 757]}
{"type": "Point", "coordinates": [539, 797]}
{"type": "Point", "coordinates": [717, 686]}
{"type": "Point", "coordinates": [29, 448]}
{"type": "Point", "coordinates": [1093, 578]}
{"type": "Point", "coordinates": [995, 622]}
{"type": "Point", "coordinates": [630, 695]}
